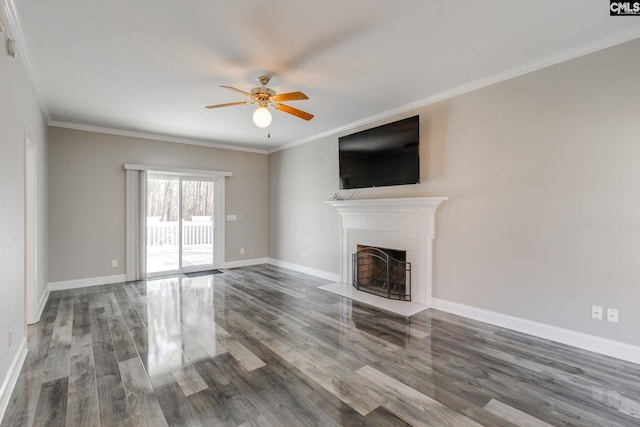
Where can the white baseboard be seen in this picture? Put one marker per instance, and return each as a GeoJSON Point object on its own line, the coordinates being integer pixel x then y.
{"type": "Point", "coordinates": [42, 304]}
{"type": "Point", "coordinates": [617, 349]}
{"type": "Point", "coordinates": [334, 277]}
{"type": "Point", "coordinates": [11, 379]}
{"type": "Point", "coordinates": [246, 262]}
{"type": "Point", "coordinates": [83, 283]}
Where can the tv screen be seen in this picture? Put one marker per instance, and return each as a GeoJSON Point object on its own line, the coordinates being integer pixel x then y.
{"type": "Point", "coordinates": [381, 156]}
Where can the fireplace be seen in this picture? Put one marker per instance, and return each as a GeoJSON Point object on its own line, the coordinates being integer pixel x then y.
{"type": "Point", "coordinates": [382, 271]}
{"type": "Point", "coordinates": [407, 223]}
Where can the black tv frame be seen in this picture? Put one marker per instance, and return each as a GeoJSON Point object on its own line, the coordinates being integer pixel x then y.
{"type": "Point", "coordinates": [382, 156]}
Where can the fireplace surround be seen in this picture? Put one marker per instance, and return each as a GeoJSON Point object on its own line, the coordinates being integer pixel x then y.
{"type": "Point", "coordinates": [407, 224]}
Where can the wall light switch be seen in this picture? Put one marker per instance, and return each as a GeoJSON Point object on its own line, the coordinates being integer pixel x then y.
{"type": "Point", "coordinates": [232, 217]}
{"type": "Point", "coordinates": [612, 315]}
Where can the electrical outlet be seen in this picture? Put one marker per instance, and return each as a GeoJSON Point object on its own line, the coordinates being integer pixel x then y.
{"type": "Point", "coordinates": [304, 255]}
{"type": "Point", "coordinates": [114, 263]}
{"type": "Point", "coordinates": [612, 315]}
{"type": "Point", "coordinates": [10, 338]}
{"type": "Point", "coordinates": [596, 312]}
{"type": "Point", "coordinates": [241, 251]}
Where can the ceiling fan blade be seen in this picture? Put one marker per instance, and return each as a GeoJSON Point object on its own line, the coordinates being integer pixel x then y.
{"type": "Point", "coordinates": [298, 113]}
{"type": "Point", "coordinates": [228, 105]}
{"type": "Point", "coordinates": [291, 96]}
{"type": "Point", "coordinates": [238, 90]}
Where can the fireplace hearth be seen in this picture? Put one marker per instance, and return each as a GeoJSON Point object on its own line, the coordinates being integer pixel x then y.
{"type": "Point", "coordinates": [382, 271]}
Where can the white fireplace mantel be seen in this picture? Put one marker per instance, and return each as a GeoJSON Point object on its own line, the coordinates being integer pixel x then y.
{"type": "Point", "coordinates": [406, 224]}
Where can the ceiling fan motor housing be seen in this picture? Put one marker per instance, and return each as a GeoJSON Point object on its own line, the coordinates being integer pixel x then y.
{"type": "Point", "coordinates": [263, 93]}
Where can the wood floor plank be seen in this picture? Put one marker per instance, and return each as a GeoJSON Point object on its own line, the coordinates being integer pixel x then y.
{"type": "Point", "coordinates": [413, 406]}
{"type": "Point", "coordinates": [112, 398]}
{"type": "Point", "coordinates": [138, 331]}
{"type": "Point", "coordinates": [165, 338]}
{"type": "Point", "coordinates": [259, 421]}
{"type": "Point", "coordinates": [82, 404]}
{"type": "Point", "coordinates": [514, 415]}
{"type": "Point", "coordinates": [175, 406]}
{"type": "Point", "coordinates": [381, 417]}
{"type": "Point", "coordinates": [189, 379]}
{"type": "Point", "coordinates": [272, 396]}
{"type": "Point", "coordinates": [294, 378]}
{"type": "Point", "coordinates": [145, 408]}
{"type": "Point", "coordinates": [244, 356]}
{"type": "Point", "coordinates": [214, 340]}
{"type": "Point", "coordinates": [59, 353]}
{"type": "Point", "coordinates": [122, 343]}
{"type": "Point", "coordinates": [356, 391]}
{"type": "Point", "coordinates": [52, 404]}
{"type": "Point", "coordinates": [210, 409]}
{"type": "Point", "coordinates": [225, 397]}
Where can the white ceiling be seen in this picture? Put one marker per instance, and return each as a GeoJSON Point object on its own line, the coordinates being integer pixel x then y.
{"type": "Point", "coordinates": [150, 66]}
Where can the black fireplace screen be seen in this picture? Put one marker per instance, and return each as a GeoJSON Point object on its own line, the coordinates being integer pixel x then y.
{"type": "Point", "coordinates": [383, 272]}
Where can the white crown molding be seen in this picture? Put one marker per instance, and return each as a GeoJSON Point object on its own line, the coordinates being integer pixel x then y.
{"type": "Point", "coordinates": [617, 349]}
{"type": "Point", "coordinates": [153, 136]}
{"type": "Point", "coordinates": [578, 51]}
{"type": "Point", "coordinates": [15, 27]}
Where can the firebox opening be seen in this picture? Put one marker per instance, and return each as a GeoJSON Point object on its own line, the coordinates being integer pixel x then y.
{"type": "Point", "coordinates": [382, 271]}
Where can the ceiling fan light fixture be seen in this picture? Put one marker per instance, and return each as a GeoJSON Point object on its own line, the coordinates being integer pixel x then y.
{"type": "Point", "coordinates": [262, 116]}
{"type": "Point", "coordinates": [263, 96]}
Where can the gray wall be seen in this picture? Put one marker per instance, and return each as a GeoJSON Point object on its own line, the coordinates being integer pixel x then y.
{"type": "Point", "coordinates": [302, 228]}
{"type": "Point", "coordinates": [543, 175]}
{"type": "Point", "coordinates": [87, 197]}
{"type": "Point", "coordinates": [19, 114]}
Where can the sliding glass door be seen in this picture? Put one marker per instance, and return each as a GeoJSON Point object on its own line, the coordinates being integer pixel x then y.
{"type": "Point", "coordinates": [180, 221]}
{"type": "Point", "coordinates": [197, 224]}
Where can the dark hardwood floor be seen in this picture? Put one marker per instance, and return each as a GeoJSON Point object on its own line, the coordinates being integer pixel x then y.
{"type": "Point", "coordinates": [262, 346]}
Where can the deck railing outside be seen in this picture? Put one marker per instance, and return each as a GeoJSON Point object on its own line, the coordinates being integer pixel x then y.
{"type": "Point", "coordinates": [166, 233]}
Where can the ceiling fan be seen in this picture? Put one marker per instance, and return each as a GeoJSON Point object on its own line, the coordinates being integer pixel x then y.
{"type": "Point", "coordinates": [265, 97]}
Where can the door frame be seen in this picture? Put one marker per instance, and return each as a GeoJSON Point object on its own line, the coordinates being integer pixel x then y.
{"type": "Point", "coordinates": [136, 217]}
{"type": "Point", "coordinates": [31, 230]}
{"type": "Point", "coordinates": [217, 261]}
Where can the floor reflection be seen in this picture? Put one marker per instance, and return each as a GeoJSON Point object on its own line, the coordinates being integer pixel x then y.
{"type": "Point", "coordinates": [404, 332]}
{"type": "Point", "coordinates": [175, 309]}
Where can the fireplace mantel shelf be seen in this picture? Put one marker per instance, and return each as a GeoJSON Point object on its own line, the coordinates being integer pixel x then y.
{"type": "Point", "coordinates": [405, 204]}
{"type": "Point", "coordinates": [399, 223]}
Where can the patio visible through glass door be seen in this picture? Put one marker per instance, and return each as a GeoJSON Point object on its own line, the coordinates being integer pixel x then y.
{"type": "Point", "coordinates": [180, 224]}
{"type": "Point", "coordinates": [197, 224]}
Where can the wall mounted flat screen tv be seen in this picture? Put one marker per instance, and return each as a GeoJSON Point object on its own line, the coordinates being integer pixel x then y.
{"type": "Point", "coordinates": [381, 156]}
